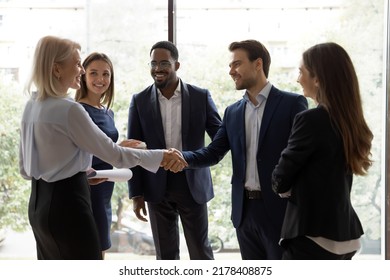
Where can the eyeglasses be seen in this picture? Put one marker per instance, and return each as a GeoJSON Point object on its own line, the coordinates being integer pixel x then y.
{"type": "Point", "coordinates": [161, 65]}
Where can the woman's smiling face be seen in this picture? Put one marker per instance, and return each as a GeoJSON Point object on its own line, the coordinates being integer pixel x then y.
{"type": "Point", "coordinates": [98, 77]}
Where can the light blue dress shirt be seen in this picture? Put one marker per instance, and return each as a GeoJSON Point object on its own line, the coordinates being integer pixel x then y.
{"type": "Point", "coordinates": [253, 118]}
{"type": "Point", "coordinates": [58, 139]}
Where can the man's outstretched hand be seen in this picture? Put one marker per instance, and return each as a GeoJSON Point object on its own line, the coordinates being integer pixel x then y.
{"type": "Point", "coordinates": [173, 160]}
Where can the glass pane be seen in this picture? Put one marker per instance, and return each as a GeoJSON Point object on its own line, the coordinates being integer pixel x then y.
{"type": "Point", "coordinates": [124, 30]}
{"type": "Point", "coordinates": [206, 28]}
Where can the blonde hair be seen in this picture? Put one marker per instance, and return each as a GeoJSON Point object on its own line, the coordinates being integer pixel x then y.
{"type": "Point", "coordinates": [49, 50]}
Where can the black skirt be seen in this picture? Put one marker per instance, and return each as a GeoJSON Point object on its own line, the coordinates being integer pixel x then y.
{"type": "Point", "coordinates": [61, 218]}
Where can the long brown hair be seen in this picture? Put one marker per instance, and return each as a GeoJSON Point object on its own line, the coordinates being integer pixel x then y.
{"type": "Point", "coordinates": [107, 98]}
{"type": "Point", "coordinates": [339, 93]}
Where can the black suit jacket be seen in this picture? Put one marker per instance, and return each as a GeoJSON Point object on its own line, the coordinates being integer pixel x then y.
{"type": "Point", "coordinates": [199, 115]}
{"type": "Point", "coordinates": [279, 112]}
{"type": "Point", "coordinates": [313, 166]}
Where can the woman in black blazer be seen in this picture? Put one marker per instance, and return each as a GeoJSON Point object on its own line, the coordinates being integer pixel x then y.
{"type": "Point", "coordinates": [328, 144]}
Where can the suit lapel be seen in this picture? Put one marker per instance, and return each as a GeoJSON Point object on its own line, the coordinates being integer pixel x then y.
{"type": "Point", "coordinates": [185, 114]}
{"type": "Point", "coordinates": [269, 110]}
{"type": "Point", "coordinates": [240, 125]}
{"type": "Point", "coordinates": [157, 115]}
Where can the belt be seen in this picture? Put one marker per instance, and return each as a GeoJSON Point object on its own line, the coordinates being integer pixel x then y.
{"type": "Point", "coordinates": [253, 194]}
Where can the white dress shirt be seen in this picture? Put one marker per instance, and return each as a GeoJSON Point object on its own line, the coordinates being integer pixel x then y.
{"type": "Point", "coordinates": [58, 139]}
{"type": "Point", "coordinates": [337, 247]}
{"type": "Point", "coordinates": [171, 118]}
{"type": "Point", "coordinates": [253, 118]}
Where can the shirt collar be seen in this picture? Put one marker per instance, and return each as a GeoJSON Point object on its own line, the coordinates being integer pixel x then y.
{"type": "Point", "coordinates": [264, 92]}
{"type": "Point", "coordinates": [175, 94]}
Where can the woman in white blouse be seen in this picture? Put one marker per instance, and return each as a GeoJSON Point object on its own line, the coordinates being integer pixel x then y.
{"type": "Point", "coordinates": [58, 139]}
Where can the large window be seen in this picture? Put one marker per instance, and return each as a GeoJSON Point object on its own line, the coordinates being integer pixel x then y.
{"type": "Point", "coordinates": [386, 172]}
{"type": "Point", "coordinates": [206, 28]}
{"type": "Point", "coordinates": [125, 30]}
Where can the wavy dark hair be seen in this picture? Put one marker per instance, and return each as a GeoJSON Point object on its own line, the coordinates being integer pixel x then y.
{"type": "Point", "coordinates": [339, 93]}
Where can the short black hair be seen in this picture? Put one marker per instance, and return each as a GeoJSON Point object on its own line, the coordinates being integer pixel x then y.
{"type": "Point", "coordinates": [168, 46]}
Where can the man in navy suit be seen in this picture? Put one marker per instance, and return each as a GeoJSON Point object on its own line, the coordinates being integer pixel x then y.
{"type": "Point", "coordinates": [255, 129]}
{"type": "Point", "coordinates": [173, 114]}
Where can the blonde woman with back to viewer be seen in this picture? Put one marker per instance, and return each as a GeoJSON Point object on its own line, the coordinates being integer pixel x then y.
{"type": "Point", "coordinates": [58, 139]}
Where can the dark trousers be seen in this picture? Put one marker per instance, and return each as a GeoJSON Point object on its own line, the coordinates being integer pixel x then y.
{"type": "Point", "coordinates": [178, 202]}
{"type": "Point", "coordinates": [61, 218]}
{"type": "Point", "coordinates": [303, 248]}
{"type": "Point", "coordinates": [257, 236]}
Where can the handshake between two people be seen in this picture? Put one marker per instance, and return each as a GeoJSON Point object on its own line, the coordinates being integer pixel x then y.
{"type": "Point", "coordinates": [173, 159]}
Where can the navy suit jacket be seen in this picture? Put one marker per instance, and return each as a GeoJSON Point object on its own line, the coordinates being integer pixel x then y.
{"type": "Point", "coordinates": [199, 115]}
{"type": "Point", "coordinates": [314, 168]}
{"type": "Point", "coordinates": [279, 112]}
